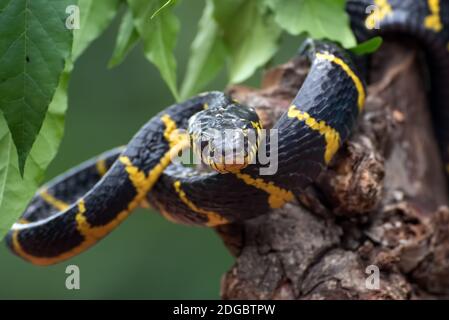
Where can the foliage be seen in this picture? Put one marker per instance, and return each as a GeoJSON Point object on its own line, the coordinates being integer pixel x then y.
{"type": "Point", "coordinates": [367, 46]}
{"type": "Point", "coordinates": [45, 45]}
{"type": "Point", "coordinates": [33, 47]}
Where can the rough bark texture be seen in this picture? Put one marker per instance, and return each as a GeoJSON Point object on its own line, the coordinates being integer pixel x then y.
{"type": "Point", "coordinates": [382, 201]}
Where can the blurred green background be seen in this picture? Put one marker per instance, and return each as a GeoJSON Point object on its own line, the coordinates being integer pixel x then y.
{"type": "Point", "coordinates": [147, 257]}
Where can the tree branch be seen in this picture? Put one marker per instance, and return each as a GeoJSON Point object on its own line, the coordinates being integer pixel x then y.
{"type": "Point", "coordinates": [381, 202]}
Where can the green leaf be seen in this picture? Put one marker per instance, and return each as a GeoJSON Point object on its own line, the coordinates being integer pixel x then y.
{"type": "Point", "coordinates": [323, 19]}
{"type": "Point", "coordinates": [126, 39]}
{"type": "Point", "coordinates": [159, 36]}
{"type": "Point", "coordinates": [34, 44]}
{"type": "Point", "coordinates": [15, 190]}
{"type": "Point", "coordinates": [95, 17]}
{"type": "Point", "coordinates": [207, 56]}
{"type": "Point", "coordinates": [250, 34]}
{"type": "Point", "coordinates": [368, 46]}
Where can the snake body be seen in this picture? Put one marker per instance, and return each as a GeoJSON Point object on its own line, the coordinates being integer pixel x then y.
{"type": "Point", "coordinates": [74, 211]}
{"type": "Point", "coordinates": [426, 22]}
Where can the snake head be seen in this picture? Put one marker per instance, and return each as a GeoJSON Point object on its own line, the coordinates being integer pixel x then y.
{"type": "Point", "coordinates": [225, 136]}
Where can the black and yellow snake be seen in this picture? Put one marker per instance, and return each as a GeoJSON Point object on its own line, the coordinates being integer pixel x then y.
{"type": "Point", "coordinates": [78, 208]}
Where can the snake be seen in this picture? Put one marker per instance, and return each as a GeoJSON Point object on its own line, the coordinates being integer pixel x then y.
{"type": "Point", "coordinates": [75, 210]}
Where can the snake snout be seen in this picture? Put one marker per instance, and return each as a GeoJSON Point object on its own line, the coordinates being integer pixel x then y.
{"type": "Point", "coordinates": [229, 151]}
{"type": "Point", "coordinates": [225, 138]}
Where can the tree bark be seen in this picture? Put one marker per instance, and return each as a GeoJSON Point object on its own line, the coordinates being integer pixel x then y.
{"type": "Point", "coordinates": [382, 201]}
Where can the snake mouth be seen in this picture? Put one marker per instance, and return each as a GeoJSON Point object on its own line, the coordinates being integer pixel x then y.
{"type": "Point", "coordinates": [228, 168]}
{"type": "Point", "coordinates": [225, 160]}
{"type": "Point", "coordinates": [228, 153]}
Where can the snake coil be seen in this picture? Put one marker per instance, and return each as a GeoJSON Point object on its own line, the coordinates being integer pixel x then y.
{"type": "Point", "coordinates": [72, 212]}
